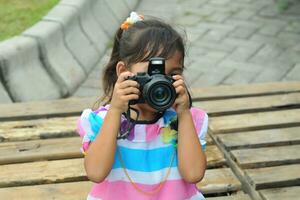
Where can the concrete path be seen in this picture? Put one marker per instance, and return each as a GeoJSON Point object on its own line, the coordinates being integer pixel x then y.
{"type": "Point", "coordinates": [228, 41]}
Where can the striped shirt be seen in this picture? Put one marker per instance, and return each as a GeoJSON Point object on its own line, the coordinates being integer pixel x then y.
{"type": "Point", "coordinates": [146, 155]}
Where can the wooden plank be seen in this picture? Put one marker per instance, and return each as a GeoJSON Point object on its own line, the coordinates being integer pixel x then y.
{"type": "Point", "coordinates": [46, 172]}
{"type": "Point", "coordinates": [255, 121]}
{"type": "Point", "coordinates": [271, 177]}
{"type": "Point", "coordinates": [59, 191]}
{"type": "Point", "coordinates": [286, 193]}
{"type": "Point", "coordinates": [267, 156]}
{"type": "Point", "coordinates": [40, 109]}
{"type": "Point", "coordinates": [35, 150]}
{"type": "Point", "coordinates": [66, 148]}
{"type": "Point", "coordinates": [38, 129]}
{"type": "Point", "coordinates": [231, 91]}
{"type": "Point", "coordinates": [219, 181]}
{"type": "Point", "coordinates": [249, 104]}
{"type": "Point", "coordinates": [262, 138]}
{"type": "Point", "coordinates": [231, 197]}
{"type": "Point", "coordinates": [214, 157]}
{"type": "Point", "coordinates": [42, 172]}
{"type": "Point", "coordinates": [74, 105]}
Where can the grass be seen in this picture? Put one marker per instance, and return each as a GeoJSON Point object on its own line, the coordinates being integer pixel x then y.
{"type": "Point", "coordinates": [18, 15]}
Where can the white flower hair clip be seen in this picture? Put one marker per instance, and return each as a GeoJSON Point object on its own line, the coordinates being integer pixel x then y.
{"type": "Point", "coordinates": [133, 18]}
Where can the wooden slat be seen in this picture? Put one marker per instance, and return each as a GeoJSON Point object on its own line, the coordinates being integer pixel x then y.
{"type": "Point", "coordinates": [50, 149]}
{"type": "Point", "coordinates": [66, 148]}
{"type": "Point", "coordinates": [286, 193]}
{"type": "Point", "coordinates": [42, 172]}
{"type": "Point", "coordinates": [59, 191]}
{"type": "Point", "coordinates": [270, 177]}
{"type": "Point", "coordinates": [214, 157]}
{"type": "Point", "coordinates": [74, 105]}
{"type": "Point", "coordinates": [255, 121]}
{"type": "Point", "coordinates": [262, 138]}
{"type": "Point", "coordinates": [231, 197]}
{"type": "Point", "coordinates": [267, 156]}
{"type": "Point", "coordinates": [38, 128]}
{"type": "Point", "coordinates": [249, 104]}
{"type": "Point", "coordinates": [39, 109]}
{"type": "Point", "coordinates": [230, 91]}
{"type": "Point", "coordinates": [219, 181]}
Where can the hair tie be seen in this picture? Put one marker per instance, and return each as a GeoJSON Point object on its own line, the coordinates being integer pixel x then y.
{"type": "Point", "coordinates": [133, 18]}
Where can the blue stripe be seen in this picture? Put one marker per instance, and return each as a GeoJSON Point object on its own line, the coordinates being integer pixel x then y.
{"type": "Point", "coordinates": [96, 123]}
{"type": "Point", "coordinates": [145, 160]}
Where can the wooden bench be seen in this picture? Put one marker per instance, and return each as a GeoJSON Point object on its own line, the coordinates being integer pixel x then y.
{"type": "Point", "coordinates": [40, 157]}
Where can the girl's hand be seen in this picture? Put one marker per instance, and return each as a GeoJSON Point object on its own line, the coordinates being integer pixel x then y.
{"type": "Point", "coordinates": [182, 102]}
{"type": "Point", "coordinates": [124, 91]}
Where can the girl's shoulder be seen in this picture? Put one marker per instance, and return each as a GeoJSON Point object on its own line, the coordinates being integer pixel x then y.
{"type": "Point", "coordinates": [90, 120]}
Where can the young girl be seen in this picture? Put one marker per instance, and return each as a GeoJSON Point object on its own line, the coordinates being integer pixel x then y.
{"type": "Point", "coordinates": [162, 157]}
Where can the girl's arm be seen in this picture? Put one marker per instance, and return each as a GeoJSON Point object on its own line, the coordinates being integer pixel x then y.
{"type": "Point", "coordinates": [191, 158]}
{"type": "Point", "coordinates": [101, 153]}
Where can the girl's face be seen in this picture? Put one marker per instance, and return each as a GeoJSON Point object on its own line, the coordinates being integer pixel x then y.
{"type": "Point", "coordinates": [173, 66]}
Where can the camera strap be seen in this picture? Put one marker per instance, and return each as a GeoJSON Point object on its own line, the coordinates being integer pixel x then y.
{"type": "Point", "coordinates": [130, 125]}
{"type": "Point", "coordinates": [125, 131]}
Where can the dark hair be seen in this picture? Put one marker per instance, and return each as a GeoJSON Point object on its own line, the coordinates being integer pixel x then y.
{"type": "Point", "coordinates": [141, 41]}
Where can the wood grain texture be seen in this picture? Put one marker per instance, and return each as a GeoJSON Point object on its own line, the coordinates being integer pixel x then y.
{"type": "Point", "coordinates": [262, 138]}
{"type": "Point", "coordinates": [249, 104]}
{"type": "Point", "coordinates": [255, 121]}
{"type": "Point", "coordinates": [286, 193]}
{"type": "Point", "coordinates": [218, 181]}
{"type": "Point", "coordinates": [270, 177]}
{"type": "Point", "coordinates": [58, 191]}
{"type": "Point", "coordinates": [38, 129]}
{"type": "Point", "coordinates": [232, 91]}
{"type": "Point", "coordinates": [267, 156]}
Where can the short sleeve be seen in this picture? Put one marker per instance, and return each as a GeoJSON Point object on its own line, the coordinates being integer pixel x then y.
{"type": "Point", "coordinates": [200, 119]}
{"type": "Point", "coordinates": [89, 124]}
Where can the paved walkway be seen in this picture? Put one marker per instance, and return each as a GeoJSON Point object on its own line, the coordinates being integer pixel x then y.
{"type": "Point", "coordinates": [228, 41]}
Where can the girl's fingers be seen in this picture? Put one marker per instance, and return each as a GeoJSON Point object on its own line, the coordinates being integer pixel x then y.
{"type": "Point", "coordinates": [178, 80]}
{"type": "Point", "coordinates": [128, 83]}
{"type": "Point", "coordinates": [123, 76]}
{"type": "Point", "coordinates": [177, 77]}
{"type": "Point", "coordinates": [130, 97]}
{"type": "Point", "coordinates": [130, 90]}
{"type": "Point", "coordinates": [180, 89]}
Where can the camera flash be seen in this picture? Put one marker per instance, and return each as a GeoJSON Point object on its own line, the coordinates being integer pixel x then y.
{"type": "Point", "coordinates": [157, 62]}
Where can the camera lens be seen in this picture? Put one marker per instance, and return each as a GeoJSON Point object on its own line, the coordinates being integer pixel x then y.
{"type": "Point", "coordinates": [160, 94]}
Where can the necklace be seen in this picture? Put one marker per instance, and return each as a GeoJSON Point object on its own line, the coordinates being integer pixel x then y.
{"type": "Point", "coordinates": [161, 184]}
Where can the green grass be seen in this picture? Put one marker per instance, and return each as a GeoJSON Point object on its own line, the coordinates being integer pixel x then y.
{"type": "Point", "coordinates": [18, 15]}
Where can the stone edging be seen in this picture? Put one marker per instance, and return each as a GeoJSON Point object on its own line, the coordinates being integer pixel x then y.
{"type": "Point", "coordinates": [53, 57]}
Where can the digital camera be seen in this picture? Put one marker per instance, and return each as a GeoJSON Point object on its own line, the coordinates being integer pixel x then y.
{"type": "Point", "coordinates": [156, 88]}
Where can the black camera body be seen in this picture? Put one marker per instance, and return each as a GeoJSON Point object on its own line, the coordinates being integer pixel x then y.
{"type": "Point", "coordinates": [156, 88]}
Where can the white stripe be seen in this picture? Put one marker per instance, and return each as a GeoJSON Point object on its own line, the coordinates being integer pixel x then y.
{"type": "Point", "coordinates": [203, 130]}
{"type": "Point", "coordinates": [197, 196]}
{"type": "Point", "coordinates": [89, 197]}
{"type": "Point", "coordinates": [139, 133]}
{"type": "Point", "coordinates": [153, 144]}
{"type": "Point", "coordinates": [143, 177]}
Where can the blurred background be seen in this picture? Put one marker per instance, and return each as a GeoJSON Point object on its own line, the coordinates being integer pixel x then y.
{"type": "Point", "coordinates": [228, 41]}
